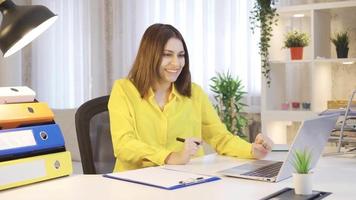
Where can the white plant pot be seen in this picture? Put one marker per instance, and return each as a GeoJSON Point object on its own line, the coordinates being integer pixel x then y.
{"type": "Point", "coordinates": [302, 183]}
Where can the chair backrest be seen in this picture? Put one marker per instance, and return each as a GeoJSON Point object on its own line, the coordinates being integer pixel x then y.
{"type": "Point", "coordinates": [94, 138]}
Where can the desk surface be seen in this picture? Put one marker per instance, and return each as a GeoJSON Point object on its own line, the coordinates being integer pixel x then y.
{"type": "Point", "coordinates": [333, 174]}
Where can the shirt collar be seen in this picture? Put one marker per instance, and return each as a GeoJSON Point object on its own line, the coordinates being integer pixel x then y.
{"type": "Point", "coordinates": [174, 93]}
{"type": "Point", "coordinates": [150, 93]}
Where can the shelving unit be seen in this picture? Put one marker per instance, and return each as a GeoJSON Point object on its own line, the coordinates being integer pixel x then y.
{"type": "Point", "coordinates": [308, 80]}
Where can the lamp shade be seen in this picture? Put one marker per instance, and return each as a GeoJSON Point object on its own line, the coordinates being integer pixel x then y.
{"type": "Point", "coordinates": [22, 24]}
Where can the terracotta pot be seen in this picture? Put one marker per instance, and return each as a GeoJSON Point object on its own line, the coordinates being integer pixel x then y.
{"type": "Point", "coordinates": [296, 53]}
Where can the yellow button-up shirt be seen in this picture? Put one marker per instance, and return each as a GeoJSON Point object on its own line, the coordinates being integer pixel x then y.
{"type": "Point", "coordinates": [143, 135]}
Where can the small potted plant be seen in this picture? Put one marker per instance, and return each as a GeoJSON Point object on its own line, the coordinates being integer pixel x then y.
{"type": "Point", "coordinates": [296, 41]}
{"type": "Point", "coordinates": [302, 178]}
{"type": "Point", "coordinates": [341, 42]}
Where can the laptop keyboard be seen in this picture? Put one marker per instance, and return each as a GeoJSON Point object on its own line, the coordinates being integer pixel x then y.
{"type": "Point", "coordinates": [266, 171]}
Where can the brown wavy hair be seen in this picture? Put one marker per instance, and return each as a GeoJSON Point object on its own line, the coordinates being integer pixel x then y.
{"type": "Point", "coordinates": [145, 70]}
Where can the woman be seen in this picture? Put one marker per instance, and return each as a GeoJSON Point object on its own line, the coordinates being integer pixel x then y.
{"type": "Point", "coordinates": [158, 103]}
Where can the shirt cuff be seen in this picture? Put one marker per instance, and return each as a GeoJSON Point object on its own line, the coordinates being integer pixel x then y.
{"type": "Point", "coordinates": [245, 149]}
{"type": "Point", "coordinates": [160, 157]}
{"type": "Point", "coordinates": [249, 155]}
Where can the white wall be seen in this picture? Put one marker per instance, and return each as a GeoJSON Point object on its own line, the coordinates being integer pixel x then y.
{"type": "Point", "coordinates": [11, 70]}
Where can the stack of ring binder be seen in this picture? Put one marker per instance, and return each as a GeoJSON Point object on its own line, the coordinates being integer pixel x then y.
{"type": "Point", "coordinates": [32, 147]}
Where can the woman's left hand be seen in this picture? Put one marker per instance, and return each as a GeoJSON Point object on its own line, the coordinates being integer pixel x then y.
{"type": "Point", "coordinates": [262, 146]}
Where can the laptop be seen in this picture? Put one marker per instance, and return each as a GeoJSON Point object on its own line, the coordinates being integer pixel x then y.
{"type": "Point", "coordinates": [312, 135]}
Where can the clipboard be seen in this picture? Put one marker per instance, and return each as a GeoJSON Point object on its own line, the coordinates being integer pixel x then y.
{"type": "Point", "coordinates": [162, 178]}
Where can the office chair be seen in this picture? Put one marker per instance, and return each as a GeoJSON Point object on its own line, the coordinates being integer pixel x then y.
{"type": "Point", "coordinates": [94, 138]}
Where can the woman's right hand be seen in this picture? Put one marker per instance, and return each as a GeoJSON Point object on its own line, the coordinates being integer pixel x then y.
{"type": "Point", "coordinates": [183, 157]}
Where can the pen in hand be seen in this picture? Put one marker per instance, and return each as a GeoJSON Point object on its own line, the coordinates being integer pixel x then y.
{"type": "Point", "coordinates": [183, 140]}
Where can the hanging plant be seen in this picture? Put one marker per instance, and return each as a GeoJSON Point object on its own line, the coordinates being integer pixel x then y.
{"type": "Point", "coordinates": [263, 16]}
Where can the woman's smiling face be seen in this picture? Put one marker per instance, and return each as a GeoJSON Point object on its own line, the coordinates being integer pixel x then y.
{"type": "Point", "coordinates": [172, 63]}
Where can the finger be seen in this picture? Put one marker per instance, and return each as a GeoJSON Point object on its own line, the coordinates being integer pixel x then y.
{"type": "Point", "coordinates": [196, 141]}
{"type": "Point", "coordinates": [259, 139]}
{"type": "Point", "coordinates": [190, 143]}
{"type": "Point", "coordinates": [194, 145]}
{"type": "Point", "coordinates": [192, 152]}
{"type": "Point", "coordinates": [195, 149]}
{"type": "Point", "coordinates": [191, 146]}
{"type": "Point", "coordinates": [190, 149]}
{"type": "Point", "coordinates": [267, 146]}
{"type": "Point", "coordinates": [260, 148]}
{"type": "Point", "coordinates": [268, 143]}
{"type": "Point", "coordinates": [264, 140]}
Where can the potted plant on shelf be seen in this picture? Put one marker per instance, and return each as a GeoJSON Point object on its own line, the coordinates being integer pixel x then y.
{"type": "Point", "coordinates": [296, 41]}
{"type": "Point", "coordinates": [341, 42]}
{"type": "Point", "coordinates": [229, 95]}
{"type": "Point", "coordinates": [302, 178]}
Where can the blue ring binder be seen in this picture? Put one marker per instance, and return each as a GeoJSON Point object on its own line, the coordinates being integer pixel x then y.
{"type": "Point", "coordinates": [14, 146]}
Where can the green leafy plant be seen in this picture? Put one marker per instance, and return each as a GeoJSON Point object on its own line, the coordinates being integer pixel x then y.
{"type": "Point", "coordinates": [302, 161]}
{"type": "Point", "coordinates": [296, 39]}
{"type": "Point", "coordinates": [229, 94]}
{"type": "Point", "coordinates": [263, 16]}
{"type": "Point", "coordinates": [341, 40]}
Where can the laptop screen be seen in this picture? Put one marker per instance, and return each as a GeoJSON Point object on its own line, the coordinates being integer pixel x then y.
{"type": "Point", "coordinates": [312, 136]}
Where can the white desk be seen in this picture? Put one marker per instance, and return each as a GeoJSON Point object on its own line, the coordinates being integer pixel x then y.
{"type": "Point", "coordinates": [333, 174]}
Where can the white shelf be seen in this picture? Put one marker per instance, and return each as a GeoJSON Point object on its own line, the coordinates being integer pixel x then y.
{"type": "Point", "coordinates": [289, 115]}
{"type": "Point", "coordinates": [318, 60]}
{"type": "Point", "coordinates": [336, 60]}
{"type": "Point", "coordinates": [313, 78]}
{"type": "Point", "coordinates": [316, 6]}
{"type": "Point", "coordinates": [290, 61]}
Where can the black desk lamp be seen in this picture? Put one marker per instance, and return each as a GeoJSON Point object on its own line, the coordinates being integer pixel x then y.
{"type": "Point", "coordinates": [22, 24]}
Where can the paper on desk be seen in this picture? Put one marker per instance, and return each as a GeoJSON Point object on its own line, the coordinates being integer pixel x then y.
{"type": "Point", "coordinates": [208, 165]}
{"type": "Point", "coordinates": [161, 177]}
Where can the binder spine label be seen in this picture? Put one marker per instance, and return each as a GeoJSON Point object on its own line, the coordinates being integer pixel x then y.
{"type": "Point", "coordinates": [22, 172]}
{"type": "Point", "coordinates": [16, 139]}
